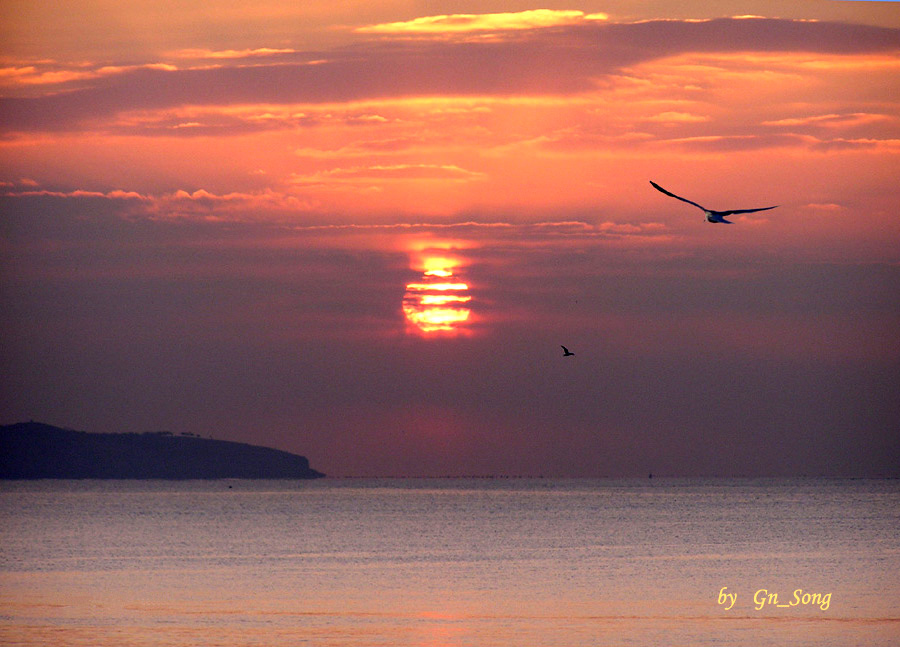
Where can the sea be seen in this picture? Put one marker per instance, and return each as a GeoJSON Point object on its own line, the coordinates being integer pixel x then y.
{"type": "Point", "coordinates": [450, 562]}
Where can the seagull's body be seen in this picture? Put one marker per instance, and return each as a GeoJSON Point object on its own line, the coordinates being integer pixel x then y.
{"type": "Point", "coordinates": [566, 351]}
{"type": "Point", "coordinates": [711, 215]}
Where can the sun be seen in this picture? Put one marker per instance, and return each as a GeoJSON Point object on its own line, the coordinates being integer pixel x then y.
{"type": "Point", "coordinates": [438, 301]}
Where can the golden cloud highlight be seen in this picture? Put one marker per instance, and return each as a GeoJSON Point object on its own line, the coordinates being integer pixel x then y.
{"type": "Point", "coordinates": [457, 23]}
{"type": "Point", "coordinates": [229, 53]}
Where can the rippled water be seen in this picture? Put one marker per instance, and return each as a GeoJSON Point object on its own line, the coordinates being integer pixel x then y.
{"type": "Point", "coordinates": [449, 562]}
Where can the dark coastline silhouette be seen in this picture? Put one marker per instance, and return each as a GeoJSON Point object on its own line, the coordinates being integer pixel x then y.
{"type": "Point", "coordinates": [33, 450]}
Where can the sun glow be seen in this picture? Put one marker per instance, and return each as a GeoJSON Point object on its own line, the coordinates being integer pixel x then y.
{"type": "Point", "coordinates": [436, 286]}
{"type": "Point", "coordinates": [437, 301]}
{"type": "Point", "coordinates": [440, 299]}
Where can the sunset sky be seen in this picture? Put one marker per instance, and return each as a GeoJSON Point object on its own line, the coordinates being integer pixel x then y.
{"type": "Point", "coordinates": [360, 231]}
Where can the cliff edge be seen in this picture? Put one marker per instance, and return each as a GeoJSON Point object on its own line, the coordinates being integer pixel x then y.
{"type": "Point", "coordinates": [33, 450]}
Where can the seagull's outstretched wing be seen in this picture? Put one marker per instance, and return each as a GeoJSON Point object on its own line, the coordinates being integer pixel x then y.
{"type": "Point", "coordinates": [734, 211]}
{"type": "Point", "coordinates": [677, 197]}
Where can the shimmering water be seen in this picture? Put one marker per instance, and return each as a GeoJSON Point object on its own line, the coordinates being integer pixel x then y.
{"type": "Point", "coordinates": [449, 562]}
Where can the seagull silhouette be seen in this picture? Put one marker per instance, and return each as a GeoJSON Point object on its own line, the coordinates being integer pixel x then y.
{"type": "Point", "coordinates": [566, 351]}
{"type": "Point", "coordinates": [711, 215]}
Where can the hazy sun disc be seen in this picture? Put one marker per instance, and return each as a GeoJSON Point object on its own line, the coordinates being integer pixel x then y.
{"type": "Point", "coordinates": [436, 302]}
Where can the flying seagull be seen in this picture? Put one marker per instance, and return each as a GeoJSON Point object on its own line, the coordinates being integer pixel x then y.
{"type": "Point", "coordinates": [566, 351]}
{"type": "Point", "coordinates": [711, 216]}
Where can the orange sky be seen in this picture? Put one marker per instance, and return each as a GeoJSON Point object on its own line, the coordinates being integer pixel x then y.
{"type": "Point", "coordinates": [512, 112]}
{"type": "Point", "coordinates": [512, 139]}
{"type": "Point", "coordinates": [509, 111]}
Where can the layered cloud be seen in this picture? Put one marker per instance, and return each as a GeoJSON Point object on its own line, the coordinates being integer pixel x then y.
{"type": "Point", "coordinates": [567, 60]}
{"type": "Point", "coordinates": [499, 117]}
{"type": "Point", "coordinates": [392, 172]}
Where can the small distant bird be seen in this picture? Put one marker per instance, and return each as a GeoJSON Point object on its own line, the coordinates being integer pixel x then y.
{"type": "Point", "coordinates": [711, 216]}
{"type": "Point", "coordinates": [566, 351]}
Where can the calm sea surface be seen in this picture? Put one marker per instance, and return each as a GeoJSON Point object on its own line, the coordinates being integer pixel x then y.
{"type": "Point", "coordinates": [534, 563]}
